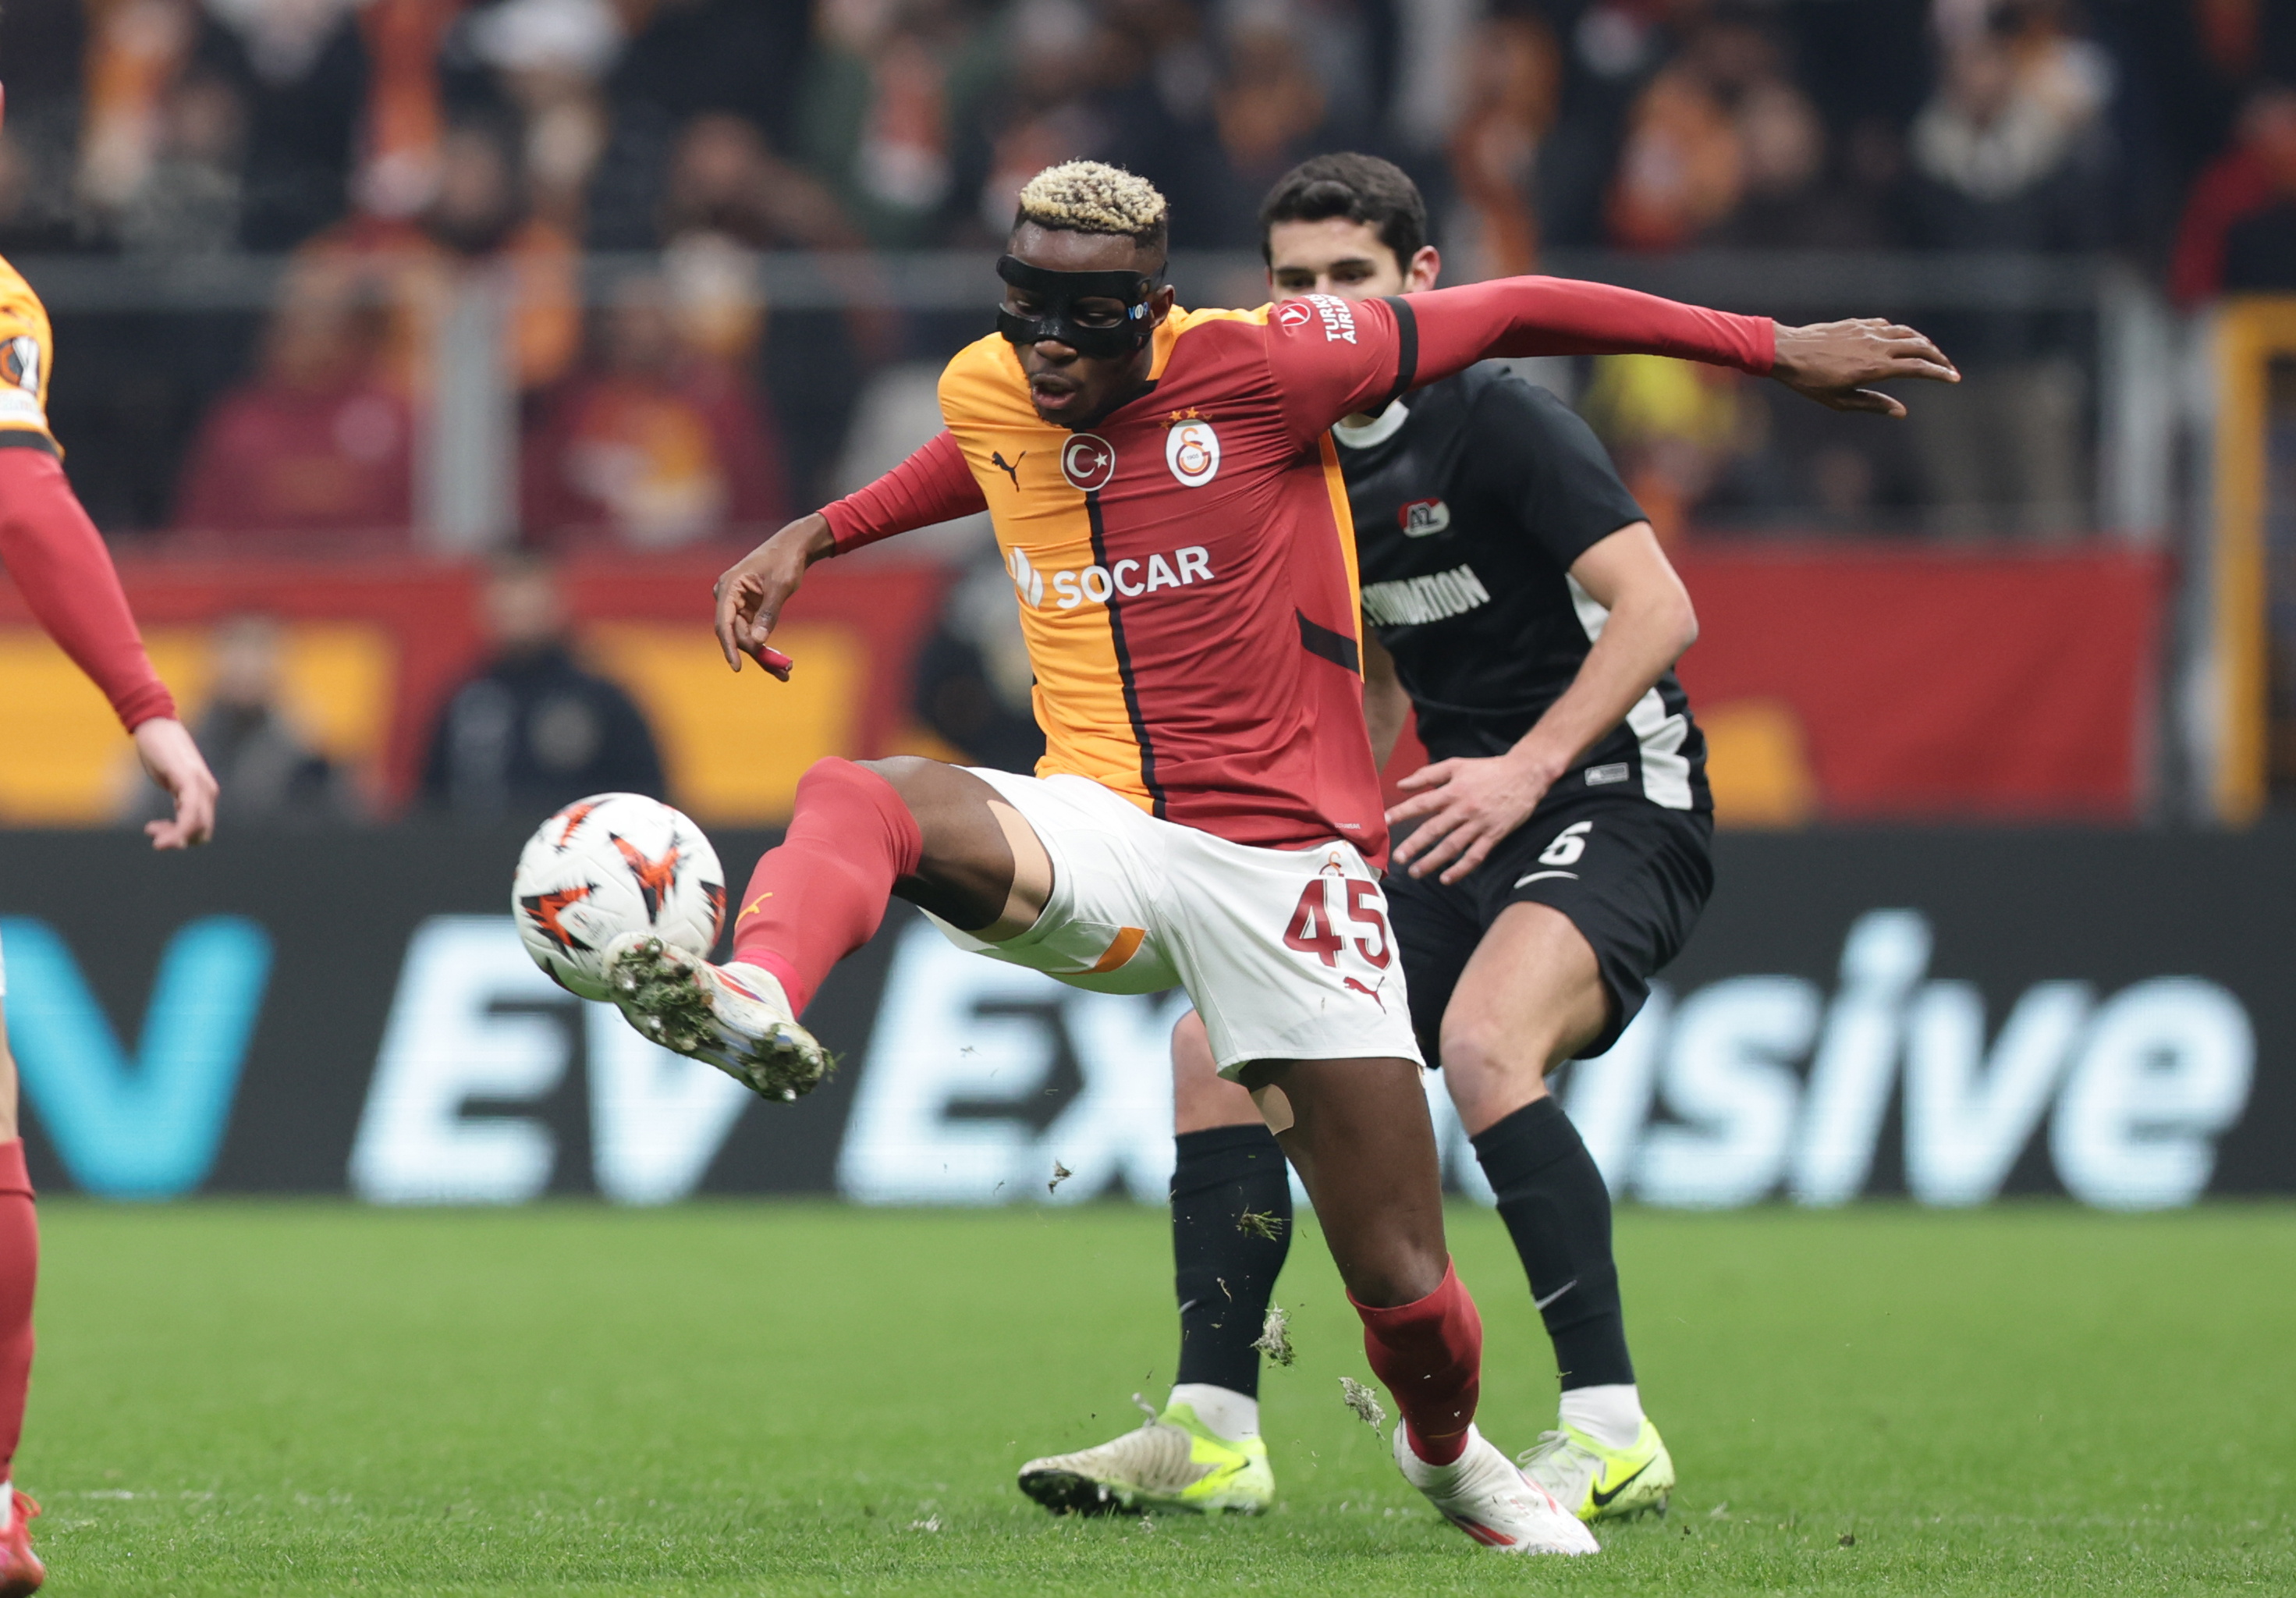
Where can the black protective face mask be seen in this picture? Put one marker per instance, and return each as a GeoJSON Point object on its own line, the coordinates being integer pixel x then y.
{"type": "Point", "coordinates": [1058, 293]}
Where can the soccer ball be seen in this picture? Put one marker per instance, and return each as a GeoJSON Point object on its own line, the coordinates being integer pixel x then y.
{"type": "Point", "coordinates": [611, 864]}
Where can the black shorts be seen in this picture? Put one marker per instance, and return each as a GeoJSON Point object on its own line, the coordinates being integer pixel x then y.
{"type": "Point", "coordinates": [1631, 875]}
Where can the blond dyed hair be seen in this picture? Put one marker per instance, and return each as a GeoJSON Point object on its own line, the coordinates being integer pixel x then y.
{"type": "Point", "coordinates": [1094, 197]}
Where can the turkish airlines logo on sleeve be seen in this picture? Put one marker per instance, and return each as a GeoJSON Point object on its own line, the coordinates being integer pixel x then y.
{"type": "Point", "coordinates": [1293, 314]}
{"type": "Point", "coordinates": [1192, 450]}
{"type": "Point", "coordinates": [1089, 461]}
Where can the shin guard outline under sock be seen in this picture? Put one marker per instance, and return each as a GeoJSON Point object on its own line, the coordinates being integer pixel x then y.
{"type": "Point", "coordinates": [1224, 1265]}
{"type": "Point", "coordinates": [1558, 1211]}
{"type": "Point", "coordinates": [19, 1270]}
{"type": "Point", "coordinates": [822, 893]}
{"type": "Point", "coordinates": [1429, 1355]}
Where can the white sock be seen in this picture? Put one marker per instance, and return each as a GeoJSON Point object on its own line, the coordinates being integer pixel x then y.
{"type": "Point", "coordinates": [7, 1505]}
{"type": "Point", "coordinates": [1225, 1412]}
{"type": "Point", "coordinates": [1612, 1415]}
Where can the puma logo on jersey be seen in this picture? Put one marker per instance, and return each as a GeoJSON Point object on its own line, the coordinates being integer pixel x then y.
{"type": "Point", "coordinates": [1092, 585]}
{"type": "Point", "coordinates": [1413, 600]}
{"type": "Point", "coordinates": [1424, 518]}
{"type": "Point", "coordinates": [1011, 468]}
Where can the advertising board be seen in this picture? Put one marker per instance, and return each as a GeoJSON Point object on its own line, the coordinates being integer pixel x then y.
{"type": "Point", "coordinates": [1952, 1015]}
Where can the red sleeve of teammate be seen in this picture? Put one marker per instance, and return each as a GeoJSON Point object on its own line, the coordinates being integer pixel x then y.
{"type": "Point", "coordinates": [1334, 359]}
{"type": "Point", "coordinates": [59, 563]}
{"type": "Point", "coordinates": [933, 485]}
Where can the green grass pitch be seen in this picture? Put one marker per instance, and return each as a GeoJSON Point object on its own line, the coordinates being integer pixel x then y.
{"type": "Point", "coordinates": [767, 1398]}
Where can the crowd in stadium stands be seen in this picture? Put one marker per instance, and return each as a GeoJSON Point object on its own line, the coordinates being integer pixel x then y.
{"type": "Point", "coordinates": [394, 149]}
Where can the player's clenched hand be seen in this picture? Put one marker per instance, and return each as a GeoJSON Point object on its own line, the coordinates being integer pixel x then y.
{"type": "Point", "coordinates": [1469, 807]}
{"type": "Point", "coordinates": [1832, 362]}
{"type": "Point", "coordinates": [174, 762]}
{"type": "Point", "coordinates": [752, 590]}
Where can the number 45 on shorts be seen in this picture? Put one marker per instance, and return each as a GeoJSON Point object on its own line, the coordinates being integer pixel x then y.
{"type": "Point", "coordinates": [1316, 931]}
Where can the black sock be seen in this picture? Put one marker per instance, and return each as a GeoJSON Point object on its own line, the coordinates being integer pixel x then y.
{"type": "Point", "coordinates": [1552, 1196]}
{"type": "Point", "coordinates": [1231, 1228]}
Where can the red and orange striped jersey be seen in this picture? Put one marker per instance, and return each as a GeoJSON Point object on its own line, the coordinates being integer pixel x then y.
{"type": "Point", "coordinates": [1185, 566]}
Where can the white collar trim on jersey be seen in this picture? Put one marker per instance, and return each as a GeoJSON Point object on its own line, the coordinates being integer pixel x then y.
{"type": "Point", "coordinates": [1379, 429]}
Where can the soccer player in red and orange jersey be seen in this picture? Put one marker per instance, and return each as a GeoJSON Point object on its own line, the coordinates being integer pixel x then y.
{"type": "Point", "coordinates": [59, 563]}
{"type": "Point", "coordinates": [1207, 814]}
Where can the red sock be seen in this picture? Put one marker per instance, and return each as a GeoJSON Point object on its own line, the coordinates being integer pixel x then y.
{"type": "Point", "coordinates": [1430, 1356]}
{"type": "Point", "coordinates": [822, 893]}
{"type": "Point", "coordinates": [20, 1269]}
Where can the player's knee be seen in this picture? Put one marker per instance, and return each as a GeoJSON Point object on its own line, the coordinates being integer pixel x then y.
{"type": "Point", "coordinates": [1478, 1050]}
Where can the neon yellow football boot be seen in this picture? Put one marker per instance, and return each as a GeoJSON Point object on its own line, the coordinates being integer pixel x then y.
{"type": "Point", "coordinates": [1601, 1484]}
{"type": "Point", "coordinates": [1174, 1461]}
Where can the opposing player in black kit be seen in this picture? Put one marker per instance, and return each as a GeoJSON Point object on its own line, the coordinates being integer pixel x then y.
{"type": "Point", "coordinates": [1552, 855]}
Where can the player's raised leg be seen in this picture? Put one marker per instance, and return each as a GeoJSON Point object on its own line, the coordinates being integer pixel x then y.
{"type": "Point", "coordinates": [1231, 1230]}
{"type": "Point", "coordinates": [1530, 998]}
{"type": "Point", "coordinates": [1359, 1134]}
{"type": "Point", "coordinates": [20, 1570]}
{"type": "Point", "coordinates": [931, 833]}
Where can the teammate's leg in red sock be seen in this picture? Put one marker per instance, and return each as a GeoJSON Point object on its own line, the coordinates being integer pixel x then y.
{"type": "Point", "coordinates": [822, 893]}
{"type": "Point", "coordinates": [20, 1269]}
{"type": "Point", "coordinates": [1429, 1354]}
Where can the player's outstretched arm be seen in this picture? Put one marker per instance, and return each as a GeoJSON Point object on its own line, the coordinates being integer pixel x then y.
{"type": "Point", "coordinates": [171, 759]}
{"type": "Point", "coordinates": [1444, 331]}
{"type": "Point", "coordinates": [933, 485]}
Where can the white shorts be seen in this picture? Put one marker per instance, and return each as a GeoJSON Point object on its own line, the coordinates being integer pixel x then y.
{"type": "Point", "coordinates": [1286, 953]}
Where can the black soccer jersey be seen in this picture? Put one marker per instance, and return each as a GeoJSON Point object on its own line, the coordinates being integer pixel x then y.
{"type": "Point", "coordinates": [1471, 498]}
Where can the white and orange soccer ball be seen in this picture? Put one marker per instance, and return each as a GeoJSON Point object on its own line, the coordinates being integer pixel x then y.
{"type": "Point", "coordinates": [611, 863]}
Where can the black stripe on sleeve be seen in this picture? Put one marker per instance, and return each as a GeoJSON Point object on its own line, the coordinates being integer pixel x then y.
{"type": "Point", "coordinates": [1407, 348]}
{"type": "Point", "coordinates": [24, 438]}
{"type": "Point", "coordinates": [1124, 663]}
{"type": "Point", "coordinates": [1337, 648]}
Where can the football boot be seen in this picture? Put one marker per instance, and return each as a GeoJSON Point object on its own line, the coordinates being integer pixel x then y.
{"type": "Point", "coordinates": [1484, 1494]}
{"type": "Point", "coordinates": [1173, 1462]}
{"type": "Point", "coordinates": [1596, 1483]}
{"type": "Point", "coordinates": [21, 1569]}
{"type": "Point", "coordinates": [733, 1017]}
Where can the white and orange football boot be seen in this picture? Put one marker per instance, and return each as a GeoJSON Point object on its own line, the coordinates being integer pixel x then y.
{"type": "Point", "coordinates": [733, 1017]}
{"type": "Point", "coordinates": [1484, 1495]}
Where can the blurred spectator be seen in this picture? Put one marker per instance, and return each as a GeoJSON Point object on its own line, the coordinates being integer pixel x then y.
{"type": "Point", "coordinates": [1514, 88]}
{"type": "Point", "coordinates": [974, 684]}
{"type": "Point", "coordinates": [685, 59]}
{"type": "Point", "coordinates": [190, 197]}
{"type": "Point", "coordinates": [1045, 110]}
{"type": "Point", "coordinates": [478, 228]}
{"type": "Point", "coordinates": [273, 776]}
{"type": "Point", "coordinates": [657, 444]}
{"type": "Point", "coordinates": [550, 57]}
{"type": "Point", "coordinates": [1792, 199]}
{"type": "Point", "coordinates": [2239, 230]}
{"type": "Point", "coordinates": [532, 730]}
{"type": "Point", "coordinates": [135, 49]}
{"type": "Point", "coordinates": [300, 68]}
{"type": "Point", "coordinates": [1681, 170]}
{"type": "Point", "coordinates": [889, 85]}
{"type": "Point", "coordinates": [725, 180]}
{"type": "Point", "coordinates": [2011, 154]}
{"type": "Point", "coordinates": [1270, 108]}
{"type": "Point", "coordinates": [317, 442]}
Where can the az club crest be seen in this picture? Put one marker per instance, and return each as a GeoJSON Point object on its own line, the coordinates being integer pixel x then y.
{"type": "Point", "coordinates": [1424, 518]}
{"type": "Point", "coordinates": [1089, 461]}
